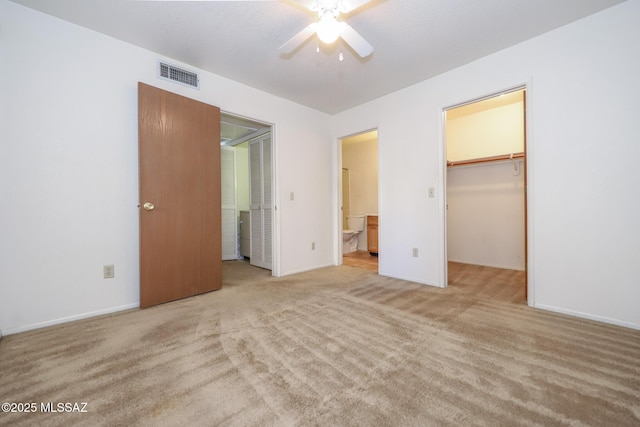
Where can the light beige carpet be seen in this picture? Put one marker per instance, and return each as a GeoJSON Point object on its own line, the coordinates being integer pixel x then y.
{"type": "Point", "coordinates": [333, 347]}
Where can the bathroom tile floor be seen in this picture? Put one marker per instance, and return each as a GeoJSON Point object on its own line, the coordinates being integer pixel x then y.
{"type": "Point", "coordinates": [361, 259]}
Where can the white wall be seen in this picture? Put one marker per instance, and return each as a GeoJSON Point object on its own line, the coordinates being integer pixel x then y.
{"type": "Point", "coordinates": [485, 215]}
{"type": "Point", "coordinates": [583, 143]}
{"type": "Point", "coordinates": [69, 168]}
{"type": "Point", "coordinates": [492, 132]}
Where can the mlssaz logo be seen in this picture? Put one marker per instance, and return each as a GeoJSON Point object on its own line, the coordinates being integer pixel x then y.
{"type": "Point", "coordinates": [63, 407]}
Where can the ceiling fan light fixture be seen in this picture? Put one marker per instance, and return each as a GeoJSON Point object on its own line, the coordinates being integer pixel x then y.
{"type": "Point", "coordinates": [329, 29]}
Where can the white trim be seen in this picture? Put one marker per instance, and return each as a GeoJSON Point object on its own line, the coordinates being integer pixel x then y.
{"type": "Point", "coordinates": [338, 260]}
{"type": "Point", "coordinates": [485, 97]}
{"type": "Point", "coordinates": [442, 200]}
{"type": "Point", "coordinates": [588, 316]}
{"type": "Point", "coordinates": [407, 279]}
{"type": "Point", "coordinates": [70, 318]}
{"type": "Point", "coordinates": [530, 147]}
{"type": "Point", "coordinates": [275, 220]}
{"type": "Point", "coordinates": [304, 270]}
{"type": "Point", "coordinates": [339, 225]}
{"type": "Point", "coordinates": [502, 266]}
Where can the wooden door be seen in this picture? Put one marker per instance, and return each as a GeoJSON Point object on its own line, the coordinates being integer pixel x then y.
{"type": "Point", "coordinates": [180, 208]}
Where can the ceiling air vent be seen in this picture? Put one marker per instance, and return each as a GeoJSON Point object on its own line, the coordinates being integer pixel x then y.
{"type": "Point", "coordinates": [178, 75]}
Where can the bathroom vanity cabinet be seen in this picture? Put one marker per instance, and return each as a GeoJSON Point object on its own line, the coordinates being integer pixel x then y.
{"type": "Point", "coordinates": [372, 234]}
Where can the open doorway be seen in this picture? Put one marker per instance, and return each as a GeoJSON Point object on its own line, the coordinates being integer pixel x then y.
{"type": "Point", "coordinates": [359, 200]}
{"type": "Point", "coordinates": [486, 223]}
{"type": "Point", "coordinates": [247, 189]}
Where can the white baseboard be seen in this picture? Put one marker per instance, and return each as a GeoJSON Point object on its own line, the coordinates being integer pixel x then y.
{"type": "Point", "coordinates": [588, 316]}
{"type": "Point", "coordinates": [504, 267]}
{"type": "Point", "coordinates": [303, 270]}
{"type": "Point", "coordinates": [408, 279]}
{"type": "Point", "coordinates": [68, 319]}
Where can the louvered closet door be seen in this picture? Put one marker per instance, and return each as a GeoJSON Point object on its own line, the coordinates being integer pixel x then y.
{"type": "Point", "coordinates": [261, 206]}
{"type": "Point", "coordinates": [229, 208]}
{"type": "Point", "coordinates": [267, 203]}
{"type": "Point", "coordinates": [255, 201]}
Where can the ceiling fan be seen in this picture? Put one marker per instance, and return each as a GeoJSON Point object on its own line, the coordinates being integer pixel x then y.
{"type": "Point", "coordinates": [328, 29]}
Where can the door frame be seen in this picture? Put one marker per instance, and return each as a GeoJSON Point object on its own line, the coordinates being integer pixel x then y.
{"type": "Point", "coordinates": [275, 221]}
{"type": "Point", "coordinates": [528, 179]}
{"type": "Point", "coordinates": [340, 225]}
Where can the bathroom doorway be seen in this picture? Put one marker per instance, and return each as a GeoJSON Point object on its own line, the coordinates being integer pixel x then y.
{"type": "Point", "coordinates": [359, 200]}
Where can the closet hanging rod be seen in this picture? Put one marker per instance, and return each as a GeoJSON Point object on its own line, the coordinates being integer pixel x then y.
{"type": "Point", "coordinates": [486, 159]}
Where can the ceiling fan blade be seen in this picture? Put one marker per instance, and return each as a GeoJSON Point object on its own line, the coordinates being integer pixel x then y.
{"type": "Point", "coordinates": [350, 5]}
{"type": "Point", "coordinates": [295, 41]}
{"type": "Point", "coordinates": [307, 4]}
{"type": "Point", "coordinates": [356, 41]}
{"type": "Point", "coordinates": [345, 6]}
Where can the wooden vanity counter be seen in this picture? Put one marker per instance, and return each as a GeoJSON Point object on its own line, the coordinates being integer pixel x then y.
{"type": "Point", "coordinates": [372, 234]}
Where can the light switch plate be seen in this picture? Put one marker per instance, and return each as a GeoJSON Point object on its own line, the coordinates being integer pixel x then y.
{"type": "Point", "coordinates": [109, 271]}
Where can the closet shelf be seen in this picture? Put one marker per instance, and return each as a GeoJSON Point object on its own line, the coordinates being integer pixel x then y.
{"type": "Point", "coordinates": [486, 159]}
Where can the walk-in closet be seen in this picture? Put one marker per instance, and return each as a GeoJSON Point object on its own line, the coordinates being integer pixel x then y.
{"type": "Point", "coordinates": [486, 181]}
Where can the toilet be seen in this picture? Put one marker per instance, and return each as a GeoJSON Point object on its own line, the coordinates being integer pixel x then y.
{"type": "Point", "coordinates": [350, 235]}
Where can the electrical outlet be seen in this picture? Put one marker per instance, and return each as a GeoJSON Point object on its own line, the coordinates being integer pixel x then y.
{"type": "Point", "coordinates": [313, 246]}
{"type": "Point", "coordinates": [109, 271]}
{"type": "Point", "coordinates": [415, 252]}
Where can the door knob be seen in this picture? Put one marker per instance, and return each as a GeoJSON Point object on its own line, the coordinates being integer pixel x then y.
{"type": "Point", "coordinates": [148, 206]}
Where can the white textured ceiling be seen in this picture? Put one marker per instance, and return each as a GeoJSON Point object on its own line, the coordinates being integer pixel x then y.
{"type": "Point", "coordinates": [413, 39]}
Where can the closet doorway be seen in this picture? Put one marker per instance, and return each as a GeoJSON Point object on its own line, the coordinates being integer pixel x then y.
{"type": "Point", "coordinates": [247, 190]}
{"type": "Point", "coordinates": [486, 224]}
{"type": "Point", "coordinates": [359, 200]}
